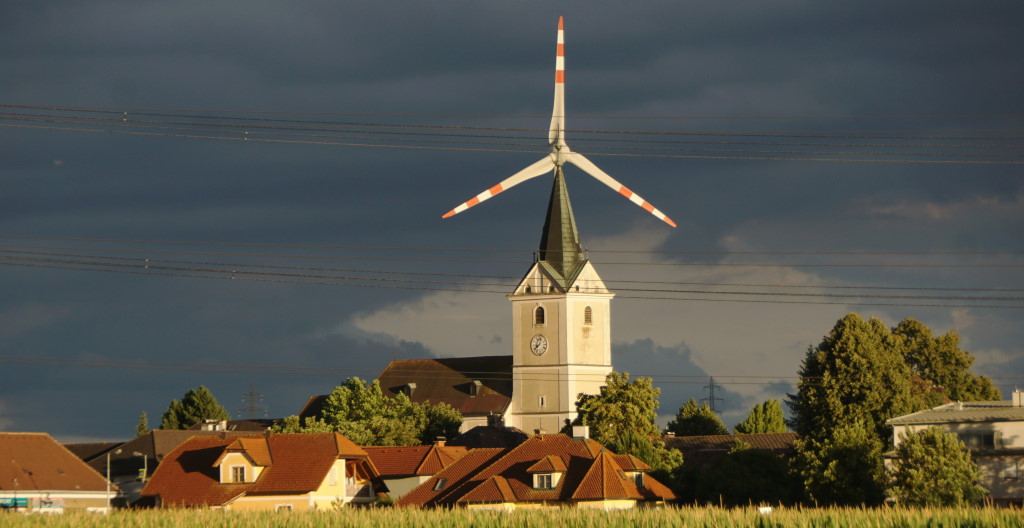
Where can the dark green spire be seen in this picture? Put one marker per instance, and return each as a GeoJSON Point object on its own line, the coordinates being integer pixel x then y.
{"type": "Point", "coordinates": [560, 248]}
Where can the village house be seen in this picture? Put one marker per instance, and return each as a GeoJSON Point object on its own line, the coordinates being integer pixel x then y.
{"type": "Point", "coordinates": [545, 471]}
{"type": "Point", "coordinates": [404, 468]}
{"type": "Point", "coordinates": [37, 474]}
{"type": "Point", "coordinates": [993, 432]}
{"type": "Point", "coordinates": [265, 472]}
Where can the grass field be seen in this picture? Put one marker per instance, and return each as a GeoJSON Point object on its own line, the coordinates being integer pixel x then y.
{"type": "Point", "coordinates": [565, 518]}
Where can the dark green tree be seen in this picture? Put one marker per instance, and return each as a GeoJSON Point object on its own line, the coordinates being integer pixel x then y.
{"type": "Point", "coordinates": [622, 418]}
{"type": "Point", "coordinates": [845, 468]}
{"type": "Point", "coordinates": [763, 418]}
{"type": "Point", "coordinates": [197, 405]}
{"type": "Point", "coordinates": [941, 363]}
{"type": "Point", "coordinates": [741, 477]}
{"type": "Point", "coordinates": [363, 413]}
{"type": "Point", "coordinates": [695, 419]}
{"type": "Point", "coordinates": [143, 426]}
{"type": "Point", "coordinates": [933, 468]}
{"type": "Point", "coordinates": [856, 373]}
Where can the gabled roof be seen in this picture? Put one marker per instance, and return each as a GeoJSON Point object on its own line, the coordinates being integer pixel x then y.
{"type": "Point", "coordinates": [779, 442]}
{"type": "Point", "coordinates": [189, 477]}
{"type": "Point", "coordinates": [588, 470]}
{"type": "Point", "coordinates": [154, 445]}
{"type": "Point", "coordinates": [254, 448]}
{"type": "Point", "coordinates": [548, 464]}
{"type": "Point", "coordinates": [394, 462]}
{"type": "Point", "coordinates": [701, 450]}
{"type": "Point", "coordinates": [450, 380]}
{"type": "Point", "coordinates": [963, 412]}
{"type": "Point", "coordinates": [40, 463]}
{"type": "Point", "coordinates": [443, 380]}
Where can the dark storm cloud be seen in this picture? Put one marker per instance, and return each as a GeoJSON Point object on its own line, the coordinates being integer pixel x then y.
{"type": "Point", "coordinates": [659, 58]}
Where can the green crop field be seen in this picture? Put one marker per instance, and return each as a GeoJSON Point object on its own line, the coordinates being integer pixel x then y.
{"type": "Point", "coordinates": [563, 518]}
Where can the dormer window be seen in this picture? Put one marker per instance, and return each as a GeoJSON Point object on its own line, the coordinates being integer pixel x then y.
{"type": "Point", "coordinates": [408, 389]}
{"type": "Point", "coordinates": [474, 388]}
{"type": "Point", "coordinates": [547, 472]}
{"type": "Point", "coordinates": [237, 473]}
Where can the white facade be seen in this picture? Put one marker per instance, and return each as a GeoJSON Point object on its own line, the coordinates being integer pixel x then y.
{"type": "Point", "coordinates": [561, 347]}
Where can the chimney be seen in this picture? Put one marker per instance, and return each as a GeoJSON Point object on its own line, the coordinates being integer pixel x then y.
{"type": "Point", "coordinates": [1018, 398]}
{"type": "Point", "coordinates": [580, 432]}
{"type": "Point", "coordinates": [440, 441]}
{"type": "Point", "coordinates": [958, 405]}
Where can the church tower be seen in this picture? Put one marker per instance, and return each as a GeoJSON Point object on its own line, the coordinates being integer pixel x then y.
{"type": "Point", "coordinates": [561, 325]}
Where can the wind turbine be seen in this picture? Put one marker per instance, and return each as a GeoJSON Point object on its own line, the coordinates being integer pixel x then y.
{"type": "Point", "coordinates": [560, 152]}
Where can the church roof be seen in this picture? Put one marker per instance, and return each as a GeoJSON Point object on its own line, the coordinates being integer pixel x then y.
{"type": "Point", "coordinates": [560, 250]}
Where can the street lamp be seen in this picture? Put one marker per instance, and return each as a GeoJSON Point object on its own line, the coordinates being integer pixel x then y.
{"type": "Point", "coordinates": [116, 452]}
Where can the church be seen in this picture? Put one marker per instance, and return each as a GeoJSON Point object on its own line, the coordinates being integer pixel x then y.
{"type": "Point", "coordinates": [561, 343]}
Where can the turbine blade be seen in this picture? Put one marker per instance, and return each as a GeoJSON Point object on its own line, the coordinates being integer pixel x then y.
{"type": "Point", "coordinates": [578, 160]}
{"type": "Point", "coordinates": [556, 132]}
{"type": "Point", "coordinates": [541, 167]}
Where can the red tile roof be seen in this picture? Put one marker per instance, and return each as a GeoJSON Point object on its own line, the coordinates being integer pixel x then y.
{"type": "Point", "coordinates": [591, 473]}
{"type": "Point", "coordinates": [605, 480]}
{"type": "Point", "coordinates": [40, 463]}
{"type": "Point", "coordinates": [413, 460]}
{"type": "Point", "coordinates": [450, 380]}
{"type": "Point", "coordinates": [300, 462]}
{"type": "Point", "coordinates": [548, 464]}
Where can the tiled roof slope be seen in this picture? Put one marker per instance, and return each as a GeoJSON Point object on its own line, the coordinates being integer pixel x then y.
{"type": "Point", "coordinates": [590, 470]}
{"type": "Point", "coordinates": [961, 412]}
{"type": "Point", "coordinates": [413, 460]}
{"type": "Point", "coordinates": [300, 462]}
{"type": "Point", "coordinates": [154, 445]}
{"type": "Point", "coordinates": [779, 442]}
{"type": "Point", "coordinates": [450, 380]}
{"type": "Point", "coordinates": [447, 380]}
{"type": "Point", "coordinates": [39, 462]}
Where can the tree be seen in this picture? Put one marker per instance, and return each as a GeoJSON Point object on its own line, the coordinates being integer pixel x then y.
{"type": "Point", "coordinates": [622, 418]}
{"type": "Point", "coordinates": [143, 425]}
{"type": "Point", "coordinates": [844, 468]}
{"type": "Point", "coordinates": [741, 477]}
{"type": "Point", "coordinates": [933, 468]}
{"type": "Point", "coordinates": [197, 405]}
{"type": "Point", "coordinates": [942, 364]}
{"type": "Point", "coordinates": [696, 420]}
{"type": "Point", "coordinates": [763, 418]}
{"type": "Point", "coordinates": [856, 373]}
{"type": "Point", "coordinates": [363, 413]}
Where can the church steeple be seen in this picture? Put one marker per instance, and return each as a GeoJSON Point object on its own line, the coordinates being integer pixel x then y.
{"type": "Point", "coordinates": [560, 251]}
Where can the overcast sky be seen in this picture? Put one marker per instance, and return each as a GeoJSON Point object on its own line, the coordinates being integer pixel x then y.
{"type": "Point", "coordinates": [870, 149]}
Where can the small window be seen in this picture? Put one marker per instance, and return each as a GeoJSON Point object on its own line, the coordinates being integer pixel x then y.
{"type": "Point", "coordinates": [237, 473]}
{"type": "Point", "coordinates": [538, 315]}
{"type": "Point", "coordinates": [588, 316]}
{"type": "Point", "coordinates": [439, 485]}
{"type": "Point", "coordinates": [544, 481]}
{"type": "Point", "coordinates": [283, 507]}
{"type": "Point", "coordinates": [541, 401]}
{"type": "Point", "coordinates": [638, 479]}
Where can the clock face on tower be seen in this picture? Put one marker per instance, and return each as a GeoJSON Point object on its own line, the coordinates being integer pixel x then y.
{"type": "Point", "coordinates": [539, 344]}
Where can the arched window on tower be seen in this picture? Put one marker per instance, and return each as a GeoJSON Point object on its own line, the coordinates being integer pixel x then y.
{"type": "Point", "coordinates": [538, 315]}
{"type": "Point", "coordinates": [588, 316]}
